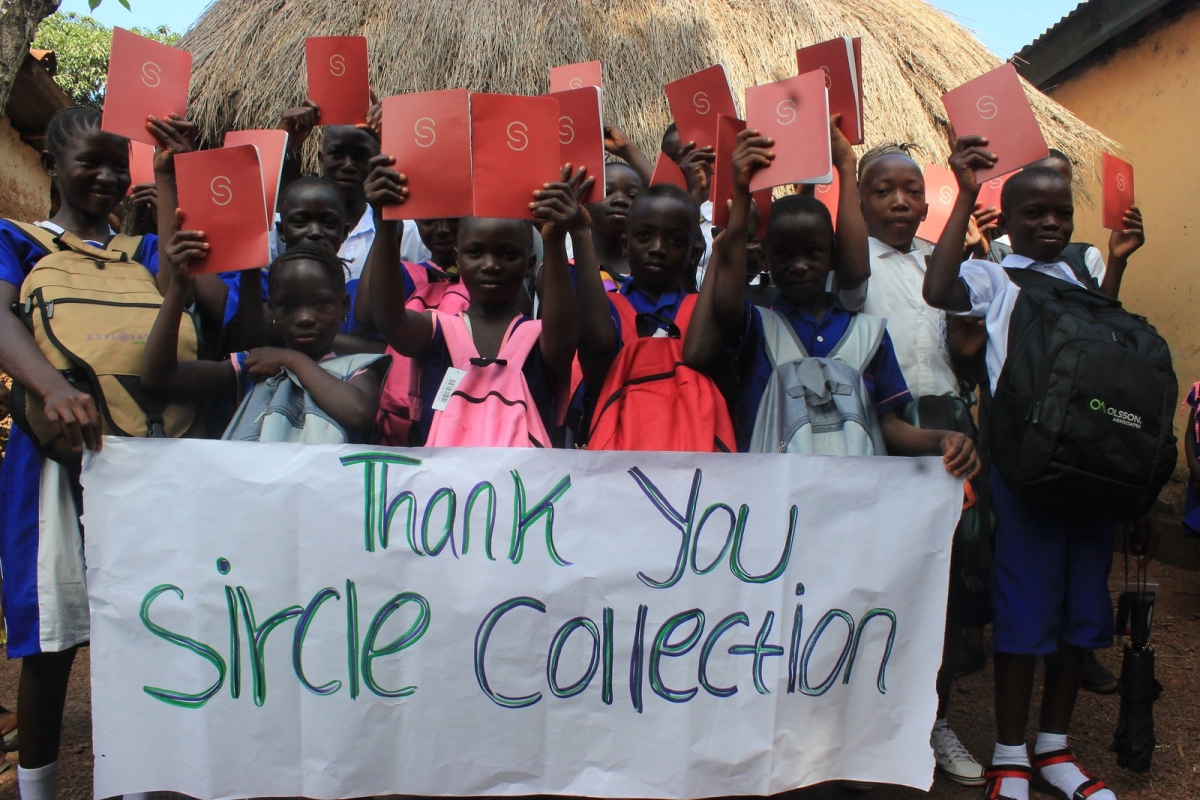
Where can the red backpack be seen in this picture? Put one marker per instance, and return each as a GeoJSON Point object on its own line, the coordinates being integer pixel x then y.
{"type": "Point", "coordinates": [652, 401]}
{"type": "Point", "coordinates": [400, 401]}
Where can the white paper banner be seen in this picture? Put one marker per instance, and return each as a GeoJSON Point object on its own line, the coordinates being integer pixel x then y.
{"type": "Point", "coordinates": [329, 622]}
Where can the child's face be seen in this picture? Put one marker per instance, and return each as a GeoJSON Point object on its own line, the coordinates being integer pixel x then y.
{"type": "Point", "coordinates": [798, 251]}
{"type": "Point", "coordinates": [494, 256]}
{"type": "Point", "coordinates": [1041, 220]}
{"type": "Point", "coordinates": [344, 157]}
{"type": "Point", "coordinates": [312, 214]}
{"type": "Point", "coordinates": [92, 172]}
{"type": "Point", "coordinates": [892, 195]}
{"type": "Point", "coordinates": [307, 307]}
{"type": "Point", "coordinates": [661, 243]}
{"type": "Point", "coordinates": [441, 237]}
{"type": "Point", "coordinates": [622, 186]}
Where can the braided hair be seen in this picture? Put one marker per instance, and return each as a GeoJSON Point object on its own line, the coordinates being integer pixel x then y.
{"type": "Point", "coordinates": [68, 124]}
{"type": "Point", "coordinates": [905, 149]}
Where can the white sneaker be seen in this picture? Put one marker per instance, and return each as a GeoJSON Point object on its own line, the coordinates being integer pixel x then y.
{"type": "Point", "coordinates": [954, 760]}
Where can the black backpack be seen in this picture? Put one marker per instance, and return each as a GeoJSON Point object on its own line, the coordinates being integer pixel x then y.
{"type": "Point", "coordinates": [1081, 419]}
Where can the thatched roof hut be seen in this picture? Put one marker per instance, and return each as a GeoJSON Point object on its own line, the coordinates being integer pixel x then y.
{"type": "Point", "coordinates": [249, 56]}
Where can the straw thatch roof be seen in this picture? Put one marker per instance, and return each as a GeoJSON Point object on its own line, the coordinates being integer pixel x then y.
{"type": "Point", "coordinates": [249, 56]}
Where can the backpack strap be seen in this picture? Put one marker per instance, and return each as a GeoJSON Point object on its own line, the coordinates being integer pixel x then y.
{"type": "Point", "coordinates": [1074, 256]}
{"type": "Point", "coordinates": [628, 316]}
{"type": "Point", "coordinates": [418, 274]}
{"type": "Point", "coordinates": [860, 341]}
{"type": "Point", "coordinates": [519, 341]}
{"type": "Point", "coordinates": [684, 315]}
{"type": "Point", "coordinates": [459, 342]}
{"type": "Point", "coordinates": [783, 345]}
{"type": "Point", "coordinates": [120, 247]}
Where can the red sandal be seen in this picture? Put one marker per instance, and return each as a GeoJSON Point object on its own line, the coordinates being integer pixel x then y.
{"type": "Point", "coordinates": [997, 773]}
{"type": "Point", "coordinates": [1086, 789]}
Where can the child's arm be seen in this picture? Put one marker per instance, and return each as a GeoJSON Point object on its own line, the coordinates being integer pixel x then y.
{"type": "Point", "coordinates": [175, 135]}
{"type": "Point", "coordinates": [556, 205]}
{"type": "Point", "coordinates": [943, 287]}
{"type": "Point", "coordinates": [853, 266]}
{"type": "Point", "coordinates": [408, 332]}
{"type": "Point", "coordinates": [352, 404]}
{"type": "Point", "coordinates": [249, 327]}
{"type": "Point", "coordinates": [696, 164]}
{"type": "Point", "coordinates": [71, 413]}
{"type": "Point", "coordinates": [621, 146]}
{"type": "Point", "coordinates": [721, 310]}
{"type": "Point", "coordinates": [956, 449]}
{"type": "Point", "coordinates": [1121, 245]}
{"type": "Point", "coordinates": [596, 331]}
{"type": "Point", "coordinates": [161, 370]}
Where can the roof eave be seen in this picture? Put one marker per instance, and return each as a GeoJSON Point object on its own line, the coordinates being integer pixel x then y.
{"type": "Point", "coordinates": [35, 98]}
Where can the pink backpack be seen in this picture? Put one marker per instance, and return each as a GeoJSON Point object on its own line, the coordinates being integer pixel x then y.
{"type": "Point", "coordinates": [400, 402]}
{"type": "Point", "coordinates": [491, 406]}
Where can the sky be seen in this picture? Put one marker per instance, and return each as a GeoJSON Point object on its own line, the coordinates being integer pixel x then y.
{"type": "Point", "coordinates": [1003, 27]}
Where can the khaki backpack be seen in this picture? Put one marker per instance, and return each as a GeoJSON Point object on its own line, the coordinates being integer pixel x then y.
{"type": "Point", "coordinates": [90, 311]}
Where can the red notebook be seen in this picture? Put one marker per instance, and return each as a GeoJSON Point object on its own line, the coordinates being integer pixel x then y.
{"type": "Point", "coordinates": [221, 193]}
{"type": "Point", "coordinates": [728, 129]}
{"type": "Point", "coordinates": [1118, 191]}
{"type": "Point", "coordinates": [337, 78]}
{"type": "Point", "coordinates": [581, 134]}
{"type": "Point", "coordinates": [667, 171]}
{"type": "Point", "coordinates": [989, 191]}
{"type": "Point", "coordinates": [696, 101]}
{"type": "Point", "coordinates": [838, 60]}
{"type": "Point", "coordinates": [994, 105]}
{"type": "Point", "coordinates": [575, 76]}
{"type": "Point", "coordinates": [429, 135]}
{"type": "Point", "coordinates": [271, 148]}
{"type": "Point", "coordinates": [515, 150]}
{"type": "Point", "coordinates": [795, 113]}
{"type": "Point", "coordinates": [145, 78]}
{"type": "Point", "coordinates": [829, 194]}
{"type": "Point", "coordinates": [941, 190]}
{"type": "Point", "coordinates": [141, 164]}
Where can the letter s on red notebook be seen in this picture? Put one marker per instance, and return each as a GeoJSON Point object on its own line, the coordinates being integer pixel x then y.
{"type": "Point", "coordinates": [795, 113]}
{"type": "Point", "coordinates": [337, 78]}
{"type": "Point", "coordinates": [429, 135]}
{"type": "Point", "coordinates": [515, 149]}
{"type": "Point", "coordinates": [696, 101]}
{"type": "Point", "coordinates": [994, 106]}
{"type": "Point", "coordinates": [576, 76]}
{"type": "Point", "coordinates": [272, 146]}
{"type": "Point", "coordinates": [581, 134]}
{"type": "Point", "coordinates": [1118, 191]}
{"type": "Point", "coordinates": [221, 193]}
{"type": "Point", "coordinates": [145, 78]}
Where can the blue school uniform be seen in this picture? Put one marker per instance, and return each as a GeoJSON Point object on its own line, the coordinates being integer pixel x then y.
{"type": "Point", "coordinates": [41, 544]}
{"type": "Point", "coordinates": [437, 361]}
{"type": "Point", "coordinates": [883, 378]}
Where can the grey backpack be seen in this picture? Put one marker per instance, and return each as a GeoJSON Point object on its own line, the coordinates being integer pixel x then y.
{"type": "Point", "coordinates": [279, 410]}
{"type": "Point", "coordinates": [819, 406]}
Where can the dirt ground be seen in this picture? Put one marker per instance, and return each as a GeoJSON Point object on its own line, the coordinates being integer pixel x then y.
{"type": "Point", "coordinates": [1176, 637]}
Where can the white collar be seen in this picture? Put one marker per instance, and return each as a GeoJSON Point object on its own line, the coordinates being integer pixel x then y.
{"type": "Point", "coordinates": [881, 249]}
{"type": "Point", "coordinates": [366, 224]}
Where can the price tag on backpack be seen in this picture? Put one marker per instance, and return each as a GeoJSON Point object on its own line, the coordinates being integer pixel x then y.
{"type": "Point", "coordinates": [449, 384]}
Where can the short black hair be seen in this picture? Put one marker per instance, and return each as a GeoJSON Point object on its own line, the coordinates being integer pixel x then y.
{"type": "Point", "coordinates": [314, 180]}
{"type": "Point", "coordinates": [886, 149]}
{"type": "Point", "coordinates": [672, 128]}
{"type": "Point", "coordinates": [799, 205]}
{"type": "Point", "coordinates": [1021, 183]}
{"type": "Point", "coordinates": [334, 264]}
{"type": "Point", "coordinates": [669, 191]}
{"type": "Point", "coordinates": [69, 123]}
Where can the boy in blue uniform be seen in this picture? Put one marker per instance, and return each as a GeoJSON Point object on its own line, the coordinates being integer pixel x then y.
{"type": "Point", "coordinates": [1050, 575]}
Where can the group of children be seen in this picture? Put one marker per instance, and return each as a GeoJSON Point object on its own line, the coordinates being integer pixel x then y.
{"type": "Point", "coordinates": [501, 332]}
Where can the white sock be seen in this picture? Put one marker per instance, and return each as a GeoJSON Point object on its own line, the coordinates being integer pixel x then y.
{"type": "Point", "coordinates": [1066, 776]}
{"type": "Point", "coordinates": [38, 784]}
{"type": "Point", "coordinates": [1014, 754]}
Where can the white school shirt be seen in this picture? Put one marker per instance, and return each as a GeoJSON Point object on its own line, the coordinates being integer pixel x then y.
{"type": "Point", "coordinates": [706, 231]}
{"type": "Point", "coordinates": [994, 295]}
{"type": "Point", "coordinates": [412, 249]}
{"type": "Point", "coordinates": [917, 329]}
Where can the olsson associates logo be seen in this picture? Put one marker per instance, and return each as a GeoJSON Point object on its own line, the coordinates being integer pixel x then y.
{"type": "Point", "coordinates": [1116, 414]}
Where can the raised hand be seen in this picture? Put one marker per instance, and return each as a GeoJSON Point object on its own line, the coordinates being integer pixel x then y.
{"type": "Point", "coordinates": [967, 155]}
{"type": "Point", "coordinates": [184, 249]}
{"type": "Point", "coordinates": [753, 152]}
{"type": "Point", "coordinates": [385, 186]}
{"type": "Point", "coordinates": [696, 164]}
{"type": "Point", "coordinates": [300, 121]}
{"type": "Point", "coordinates": [557, 205]}
{"type": "Point", "coordinates": [1124, 243]}
{"type": "Point", "coordinates": [175, 135]}
{"type": "Point", "coordinates": [840, 147]}
{"type": "Point", "coordinates": [145, 194]}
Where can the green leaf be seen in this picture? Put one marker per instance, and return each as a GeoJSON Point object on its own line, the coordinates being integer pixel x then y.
{"type": "Point", "coordinates": [126, 4]}
{"type": "Point", "coordinates": [93, 3]}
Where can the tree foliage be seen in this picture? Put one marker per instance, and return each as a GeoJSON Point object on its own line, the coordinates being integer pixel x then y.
{"type": "Point", "coordinates": [82, 45]}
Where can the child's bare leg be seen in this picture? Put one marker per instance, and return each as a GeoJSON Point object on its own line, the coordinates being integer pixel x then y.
{"type": "Point", "coordinates": [945, 677]}
{"type": "Point", "coordinates": [1063, 672]}
{"type": "Point", "coordinates": [40, 699]}
{"type": "Point", "coordinates": [1014, 690]}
